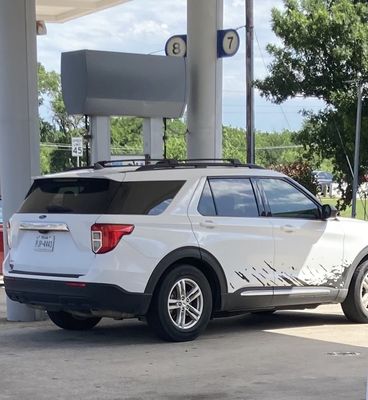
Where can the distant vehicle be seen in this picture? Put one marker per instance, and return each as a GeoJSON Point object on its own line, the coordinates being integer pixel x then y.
{"type": "Point", "coordinates": [1, 238]}
{"type": "Point", "coordinates": [322, 177]}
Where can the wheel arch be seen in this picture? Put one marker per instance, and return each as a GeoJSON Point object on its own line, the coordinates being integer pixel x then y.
{"type": "Point", "coordinates": [359, 259]}
{"type": "Point", "coordinates": [201, 259]}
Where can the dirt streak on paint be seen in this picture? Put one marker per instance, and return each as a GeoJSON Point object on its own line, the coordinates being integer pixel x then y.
{"type": "Point", "coordinates": [242, 276]}
{"type": "Point", "coordinates": [323, 267]}
{"type": "Point", "coordinates": [269, 266]}
{"type": "Point", "coordinates": [259, 280]}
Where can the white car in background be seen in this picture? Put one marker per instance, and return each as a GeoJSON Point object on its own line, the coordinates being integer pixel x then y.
{"type": "Point", "coordinates": [179, 242]}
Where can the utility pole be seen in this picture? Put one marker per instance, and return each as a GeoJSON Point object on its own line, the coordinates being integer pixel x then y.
{"type": "Point", "coordinates": [357, 145]}
{"type": "Point", "coordinates": [249, 63]}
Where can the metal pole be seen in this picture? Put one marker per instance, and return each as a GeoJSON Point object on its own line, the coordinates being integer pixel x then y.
{"type": "Point", "coordinates": [249, 23]}
{"type": "Point", "coordinates": [357, 147]}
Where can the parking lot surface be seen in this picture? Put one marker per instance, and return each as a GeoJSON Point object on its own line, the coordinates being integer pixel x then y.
{"type": "Point", "coordinates": [288, 355]}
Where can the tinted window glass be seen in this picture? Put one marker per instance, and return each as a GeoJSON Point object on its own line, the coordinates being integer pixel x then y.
{"type": "Point", "coordinates": [206, 205]}
{"type": "Point", "coordinates": [145, 198]}
{"type": "Point", "coordinates": [99, 196]}
{"type": "Point", "coordinates": [234, 197]}
{"type": "Point", "coordinates": [64, 195]}
{"type": "Point", "coordinates": [287, 201]}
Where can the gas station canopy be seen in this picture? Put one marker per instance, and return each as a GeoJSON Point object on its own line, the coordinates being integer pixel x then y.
{"type": "Point", "coordinates": [65, 10]}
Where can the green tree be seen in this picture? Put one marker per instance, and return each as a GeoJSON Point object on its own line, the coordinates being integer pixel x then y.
{"type": "Point", "coordinates": [324, 45]}
{"type": "Point", "coordinates": [126, 135]}
{"type": "Point", "coordinates": [62, 126]}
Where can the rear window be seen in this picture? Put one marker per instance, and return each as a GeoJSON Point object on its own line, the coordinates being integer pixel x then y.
{"type": "Point", "coordinates": [99, 196]}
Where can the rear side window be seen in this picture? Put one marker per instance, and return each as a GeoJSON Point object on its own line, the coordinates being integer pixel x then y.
{"type": "Point", "coordinates": [145, 197]}
{"type": "Point", "coordinates": [228, 197]}
{"type": "Point", "coordinates": [99, 196]}
{"type": "Point", "coordinates": [206, 206]}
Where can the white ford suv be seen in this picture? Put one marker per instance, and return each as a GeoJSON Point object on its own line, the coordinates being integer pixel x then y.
{"type": "Point", "coordinates": [179, 242]}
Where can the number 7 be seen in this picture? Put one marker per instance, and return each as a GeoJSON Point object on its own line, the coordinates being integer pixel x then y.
{"type": "Point", "coordinates": [230, 39]}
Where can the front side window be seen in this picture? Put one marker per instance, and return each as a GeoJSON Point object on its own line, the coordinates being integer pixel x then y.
{"type": "Point", "coordinates": [287, 201]}
{"type": "Point", "coordinates": [228, 197]}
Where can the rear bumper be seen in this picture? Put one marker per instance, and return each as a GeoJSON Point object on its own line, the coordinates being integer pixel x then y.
{"type": "Point", "coordinates": [58, 295]}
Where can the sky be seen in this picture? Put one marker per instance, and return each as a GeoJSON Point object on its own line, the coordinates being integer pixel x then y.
{"type": "Point", "coordinates": [143, 26]}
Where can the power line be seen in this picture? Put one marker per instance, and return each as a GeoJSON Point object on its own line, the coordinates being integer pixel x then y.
{"type": "Point", "coordinates": [265, 66]}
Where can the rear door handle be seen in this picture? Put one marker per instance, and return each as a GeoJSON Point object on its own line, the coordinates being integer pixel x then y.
{"type": "Point", "coordinates": [289, 228]}
{"type": "Point", "coordinates": [207, 224]}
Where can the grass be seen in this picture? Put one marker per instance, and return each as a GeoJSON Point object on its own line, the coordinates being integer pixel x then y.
{"type": "Point", "coordinates": [361, 204]}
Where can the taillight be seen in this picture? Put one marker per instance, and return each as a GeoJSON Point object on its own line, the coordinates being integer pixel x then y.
{"type": "Point", "coordinates": [8, 235]}
{"type": "Point", "coordinates": [105, 237]}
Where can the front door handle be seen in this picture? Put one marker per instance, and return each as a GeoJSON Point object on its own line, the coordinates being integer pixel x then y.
{"type": "Point", "coordinates": [207, 224]}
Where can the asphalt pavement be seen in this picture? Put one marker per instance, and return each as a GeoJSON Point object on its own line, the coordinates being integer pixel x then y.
{"type": "Point", "coordinates": [288, 355]}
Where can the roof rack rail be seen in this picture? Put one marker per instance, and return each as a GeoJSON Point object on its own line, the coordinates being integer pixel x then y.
{"type": "Point", "coordinates": [197, 163]}
{"type": "Point", "coordinates": [146, 164]}
{"type": "Point", "coordinates": [130, 162]}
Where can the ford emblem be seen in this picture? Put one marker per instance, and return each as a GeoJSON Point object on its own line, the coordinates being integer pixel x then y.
{"type": "Point", "coordinates": [42, 216]}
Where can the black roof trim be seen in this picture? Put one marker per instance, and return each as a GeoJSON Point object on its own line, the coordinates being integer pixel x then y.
{"type": "Point", "coordinates": [146, 164]}
{"type": "Point", "coordinates": [197, 163]}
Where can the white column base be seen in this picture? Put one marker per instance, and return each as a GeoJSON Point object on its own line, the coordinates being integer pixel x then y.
{"type": "Point", "coordinates": [19, 123]}
{"type": "Point", "coordinates": [101, 139]}
{"type": "Point", "coordinates": [17, 312]}
{"type": "Point", "coordinates": [153, 137]}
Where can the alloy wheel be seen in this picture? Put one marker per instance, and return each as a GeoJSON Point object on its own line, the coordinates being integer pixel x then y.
{"type": "Point", "coordinates": [185, 303]}
{"type": "Point", "coordinates": [364, 292]}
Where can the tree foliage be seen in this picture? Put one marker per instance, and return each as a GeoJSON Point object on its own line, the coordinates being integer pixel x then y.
{"type": "Point", "coordinates": [126, 134]}
{"type": "Point", "coordinates": [300, 172]}
{"type": "Point", "coordinates": [60, 128]}
{"type": "Point", "coordinates": [324, 46]}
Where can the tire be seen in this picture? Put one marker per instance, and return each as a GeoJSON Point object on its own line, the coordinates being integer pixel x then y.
{"type": "Point", "coordinates": [186, 319]}
{"type": "Point", "coordinates": [355, 306]}
{"type": "Point", "coordinates": [67, 321]}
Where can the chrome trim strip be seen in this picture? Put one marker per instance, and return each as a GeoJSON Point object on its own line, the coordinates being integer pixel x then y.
{"type": "Point", "coordinates": [44, 226]}
{"type": "Point", "coordinates": [293, 291]}
{"type": "Point", "coordinates": [257, 293]}
{"type": "Point", "coordinates": [302, 291]}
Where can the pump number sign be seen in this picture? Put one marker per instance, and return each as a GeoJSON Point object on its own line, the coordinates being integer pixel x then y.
{"type": "Point", "coordinates": [228, 43]}
{"type": "Point", "coordinates": [176, 46]}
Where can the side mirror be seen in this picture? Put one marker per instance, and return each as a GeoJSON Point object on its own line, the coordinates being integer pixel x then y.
{"type": "Point", "coordinates": [329, 211]}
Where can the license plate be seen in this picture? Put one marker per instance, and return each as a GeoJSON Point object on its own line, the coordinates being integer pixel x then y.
{"type": "Point", "coordinates": [45, 243]}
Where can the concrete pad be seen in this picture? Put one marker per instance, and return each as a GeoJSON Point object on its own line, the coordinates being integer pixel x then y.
{"type": "Point", "coordinates": [242, 357]}
{"type": "Point", "coordinates": [345, 333]}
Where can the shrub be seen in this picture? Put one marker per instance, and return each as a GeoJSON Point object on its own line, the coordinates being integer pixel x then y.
{"type": "Point", "coordinates": [301, 172]}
